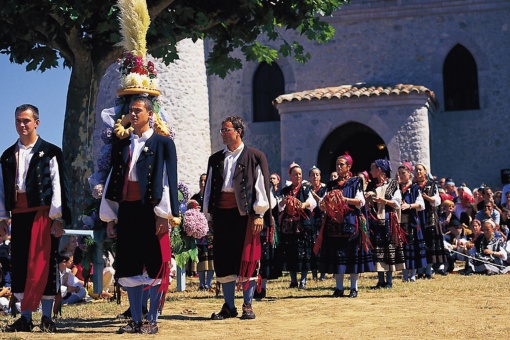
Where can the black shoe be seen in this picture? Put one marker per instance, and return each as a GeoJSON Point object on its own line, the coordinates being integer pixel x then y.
{"type": "Point", "coordinates": [131, 328]}
{"type": "Point", "coordinates": [202, 289]}
{"type": "Point", "coordinates": [442, 272]}
{"type": "Point", "coordinates": [353, 293]}
{"type": "Point", "coordinates": [224, 313]}
{"type": "Point", "coordinates": [126, 315]}
{"type": "Point", "coordinates": [428, 277]}
{"type": "Point", "coordinates": [338, 293]}
{"type": "Point", "coordinates": [302, 285]}
{"type": "Point", "coordinates": [293, 285]}
{"type": "Point", "coordinates": [261, 295]}
{"type": "Point", "coordinates": [149, 328]}
{"type": "Point", "coordinates": [468, 271]}
{"type": "Point", "coordinates": [247, 312]}
{"type": "Point", "coordinates": [47, 325]}
{"type": "Point", "coordinates": [420, 276]}
{"type": "Point", "coordinates": [20, 325]}
{"type": "Point", "coordinates": [380, 285]}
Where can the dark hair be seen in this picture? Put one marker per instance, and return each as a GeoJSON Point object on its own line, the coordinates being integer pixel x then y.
{"type": "Point", "coordinates": [30, 107]}
{"type": "Point", "coordinates": [141, 98]}
{"type": "Point", "coordinates": [237, 123]}
{"type": "Point", "coordinates": [64, 256]}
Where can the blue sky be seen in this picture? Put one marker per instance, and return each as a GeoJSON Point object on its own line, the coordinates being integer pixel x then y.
{"type": "Point", "coordinates": [47, 91]}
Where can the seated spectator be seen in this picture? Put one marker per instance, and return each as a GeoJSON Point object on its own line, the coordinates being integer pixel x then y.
{"type": "Point", "coordinates": [505, 223]}
{"type": "Point", "coordinates": [490, 253]}
{"type": "Point", "coordinates": [457, 239]}
{"type": "Point", "coordinates": [447, 216]}
{"type": "Point", "coordinates": [486, 195]}
{"type": "Point", "coordinates": [488, 212]}
{"type": "Point", "coordinates": [72, 291]}
{"type": "Point", "coordinates": [450, 188]}
{"type": "Point", "coordinates": [465, 201]}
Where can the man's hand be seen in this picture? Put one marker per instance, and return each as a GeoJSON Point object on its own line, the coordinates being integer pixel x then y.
{"type": "Point", "coordinates": [162, 225]}
{"type": "Point", "coordinates": [4, 228]}
{"type": "Point", "coordinates": [174, 221]}
{"type": "Point", "coordinates": [57, 228]}
{"type": "Point", "coordinates": [110, 229]}
{"type": "Point", "coordinates": [258, 224]}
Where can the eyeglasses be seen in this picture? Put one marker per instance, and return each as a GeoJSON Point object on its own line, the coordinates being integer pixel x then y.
{"type": "Point", "coordinates": [223, 131]}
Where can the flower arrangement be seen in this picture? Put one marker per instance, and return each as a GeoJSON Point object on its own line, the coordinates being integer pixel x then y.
{"type": "Point", "coordinates": [134, 73]}
{"type": "Point", "coordinates": [195, 223]}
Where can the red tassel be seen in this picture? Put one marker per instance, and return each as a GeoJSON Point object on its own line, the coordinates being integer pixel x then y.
{"type": "Point", "coordinates": [259, 283]}
{"type": "Point", "coordinates": [250, 258]}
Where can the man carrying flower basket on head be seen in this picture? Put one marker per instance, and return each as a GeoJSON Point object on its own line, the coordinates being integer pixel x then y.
{"type": "Point", "coordinates": [141, 198]}
{"type": "Point", "coordinates": [236, 200]}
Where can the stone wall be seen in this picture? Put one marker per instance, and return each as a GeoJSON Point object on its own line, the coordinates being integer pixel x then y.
{"type": "Point", "coordinates": [393, 42]}
{"type": "Point", "coordinates": [184, 97]}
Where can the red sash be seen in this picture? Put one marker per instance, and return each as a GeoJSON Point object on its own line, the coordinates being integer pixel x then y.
{"type": "Point", "coordinates": [227, 200]}
{"type": "Point", "coordinates": [132, 192]}
{"type": "Point", "coordinates": [38, 265]}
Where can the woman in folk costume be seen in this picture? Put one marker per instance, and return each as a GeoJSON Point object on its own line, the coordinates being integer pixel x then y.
{"type": "Point", "coordinates": [296, 226]}
{"type": "Point", "coordinates": [384, 198]}
{"type": "Point", "coordinates": [318, 191]}
{"type": "Point", "coordinates": [412, 202]}
{"type": "Point", "coordinates": [344, 239]}
{"type": "Point", "coordinates": [429, 221]}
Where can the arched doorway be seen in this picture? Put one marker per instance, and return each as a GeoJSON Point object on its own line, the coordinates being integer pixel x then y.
{"type": "Point", "coordinates": [363, 144]}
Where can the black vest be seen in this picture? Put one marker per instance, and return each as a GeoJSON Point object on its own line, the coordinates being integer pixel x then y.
{"type": "Point", "coordinates": [38, 181]}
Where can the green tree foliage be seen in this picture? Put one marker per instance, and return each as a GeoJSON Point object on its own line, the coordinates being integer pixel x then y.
{"type": "Point", "coordinates": [85, 33]}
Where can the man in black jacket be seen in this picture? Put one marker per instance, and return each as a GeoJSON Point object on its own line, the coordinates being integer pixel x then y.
{"type": "Point", "coordinates": [33, 190]}
{"type": "Point", "coordinates": [236, 200]}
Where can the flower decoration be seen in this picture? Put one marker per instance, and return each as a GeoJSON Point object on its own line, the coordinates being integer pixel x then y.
{"type": "Point", "coordinates": [195, 223]}
{"type": "Point", "coordinates": [106, 135]}
{"type": "Point", "coordinates": [135, 73]}
{"type": "Point", "coordinates": [184, 194]}
{"type": "Point", "coordinates": [97, 191]}
{"type": "Point", "coordinates": [41, 153]}
{"type": "Point", "coordinates": [146, 149]}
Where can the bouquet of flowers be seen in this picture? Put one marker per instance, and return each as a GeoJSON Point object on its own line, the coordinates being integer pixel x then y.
{"type": "Point", "coordinates": [195, 223]}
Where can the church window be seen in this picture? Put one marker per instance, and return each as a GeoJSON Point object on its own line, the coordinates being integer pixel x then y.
{"type": "Point", "coordinates": [460, 80]}
{"type": "Point", "coordinates": [268, 83]}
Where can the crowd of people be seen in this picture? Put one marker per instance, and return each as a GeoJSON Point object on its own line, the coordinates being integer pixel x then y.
{"type": "Point", "coordinates": [259, 225]}
{"type": "Point", "coordinates": [414, 224]}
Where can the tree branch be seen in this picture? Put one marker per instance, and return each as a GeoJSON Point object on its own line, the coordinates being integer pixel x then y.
{"type": "Point", "coordinates": [158, 7]}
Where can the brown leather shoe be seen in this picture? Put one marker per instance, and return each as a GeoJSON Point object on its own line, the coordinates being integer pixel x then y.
{"type": "Point", "coordinates": [224, 313]}
{"type": "Point", "coordinates": [247, 312]}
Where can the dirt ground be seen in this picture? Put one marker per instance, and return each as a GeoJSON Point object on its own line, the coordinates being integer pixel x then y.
{"type": "Point", "coordinates": [449, 307]}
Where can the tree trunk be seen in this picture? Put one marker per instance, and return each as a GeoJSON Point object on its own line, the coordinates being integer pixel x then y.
{"type": "Point", "coordinates": [78, 130]}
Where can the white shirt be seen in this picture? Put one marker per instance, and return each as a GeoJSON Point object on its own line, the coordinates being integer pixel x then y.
{"type": "Point", "coordinates": [261, 203]}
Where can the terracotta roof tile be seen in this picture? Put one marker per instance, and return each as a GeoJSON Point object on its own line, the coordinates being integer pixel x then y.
{"type": "Point", "coordinates": [358, 90]}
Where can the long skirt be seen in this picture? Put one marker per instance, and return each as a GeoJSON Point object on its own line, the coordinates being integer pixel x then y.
{"type": "Point", "coordinates": [414, 249]}
{"type": "Point", "coordinates": [344, 255]}
{"type": "Point", "coordinates": [272, 256]}
{"type": "Point", "coordinates": [434, 245]}
{"type": "Point", "coordinates": [205, 254]}
{"type": "Point", "coordinates": [387, 255]}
